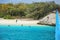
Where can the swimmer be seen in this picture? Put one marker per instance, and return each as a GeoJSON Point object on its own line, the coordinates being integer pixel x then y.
{"type": "Point", "coordinates": [9, 25]}
{"type": "Point", "coordinates": [29, 26]}
{"type": "Point", "coordinates": [21, 24]}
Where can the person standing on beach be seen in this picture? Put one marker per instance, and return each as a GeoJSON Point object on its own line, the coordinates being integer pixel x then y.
{"type": "Point", "coordinates": [16, 20]}
{"type": "Point", "coordinates": [47, 19]}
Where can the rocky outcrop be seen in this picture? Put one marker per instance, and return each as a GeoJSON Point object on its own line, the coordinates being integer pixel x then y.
{"type": "Point", "coordinates": [48, 20]}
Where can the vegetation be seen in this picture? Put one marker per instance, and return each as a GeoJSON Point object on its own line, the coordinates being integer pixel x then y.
{"type": "Point", "coordinates": [35, 10]}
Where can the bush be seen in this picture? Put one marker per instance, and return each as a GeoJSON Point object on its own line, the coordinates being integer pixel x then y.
{"type": "Point", "coordinates": [28, 16]}
{"type": "Point", "coordinates": [1, 15]}
{"type": "Point", "coordinates": [8, 17]}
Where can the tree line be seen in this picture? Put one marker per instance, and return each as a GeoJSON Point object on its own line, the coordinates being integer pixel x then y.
{"type": "Point", "coordinates": [34, 10]}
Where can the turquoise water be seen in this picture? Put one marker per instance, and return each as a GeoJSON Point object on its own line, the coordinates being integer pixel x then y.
{"type": "Point", "coordinates": [27, 32]}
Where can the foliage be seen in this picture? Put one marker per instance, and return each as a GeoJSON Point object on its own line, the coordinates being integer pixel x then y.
{"type": "Point", "coordinates": [35, 10]}
{"type": "Point", "coordinates": [8, 17]}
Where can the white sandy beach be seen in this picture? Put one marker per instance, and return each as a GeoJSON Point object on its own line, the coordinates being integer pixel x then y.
{"type": "Point", "coordinates": [51, 20]}
{"type": "Point", "coordinates": [19, 22]}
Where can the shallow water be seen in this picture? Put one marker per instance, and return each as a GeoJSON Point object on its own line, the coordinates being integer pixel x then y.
{"type": "Point", "coordinates": [14, 32]}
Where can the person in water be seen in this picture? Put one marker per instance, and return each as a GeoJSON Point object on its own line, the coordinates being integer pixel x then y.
{"type": "Point", "coordinates": [29, 26]}
{"type": "Point", "coordinates": [21, 24]}
{"type": "Point", "coordinates": [8, 25]}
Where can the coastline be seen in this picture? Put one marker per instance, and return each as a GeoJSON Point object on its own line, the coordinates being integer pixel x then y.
{"type": "Point", "coordinates": [19, 22]}
{"type": "Point", "coordinates": [43, 21]}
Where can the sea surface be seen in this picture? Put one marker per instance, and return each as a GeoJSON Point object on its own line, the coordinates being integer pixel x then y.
{"type": "Point", "coordinates": [15, 32]}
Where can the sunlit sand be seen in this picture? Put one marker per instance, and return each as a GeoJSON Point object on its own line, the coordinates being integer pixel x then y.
{"type": "Point", "coordinates": [19, 22]}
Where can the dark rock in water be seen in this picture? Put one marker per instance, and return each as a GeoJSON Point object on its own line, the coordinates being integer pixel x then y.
{"type": "Point", "coordinates": [46, 24]}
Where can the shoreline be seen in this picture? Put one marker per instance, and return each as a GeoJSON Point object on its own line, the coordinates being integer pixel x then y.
{"type": "Point", "coordinates": [25, 25]}
{"type": "Point", "coordinates": [18, 22]}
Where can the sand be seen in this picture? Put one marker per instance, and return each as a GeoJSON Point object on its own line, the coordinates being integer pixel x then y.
{"type": "Point", "coordinates": [19, 22]}
{"type": "Point", "coordinates": [52, 19]}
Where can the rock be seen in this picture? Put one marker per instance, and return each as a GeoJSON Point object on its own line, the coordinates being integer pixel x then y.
{"type": "Point", "coordinates": [48, 20]}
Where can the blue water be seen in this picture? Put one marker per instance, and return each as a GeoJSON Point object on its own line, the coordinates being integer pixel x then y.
{"type": "Point", "coordinates": [14, 32]}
